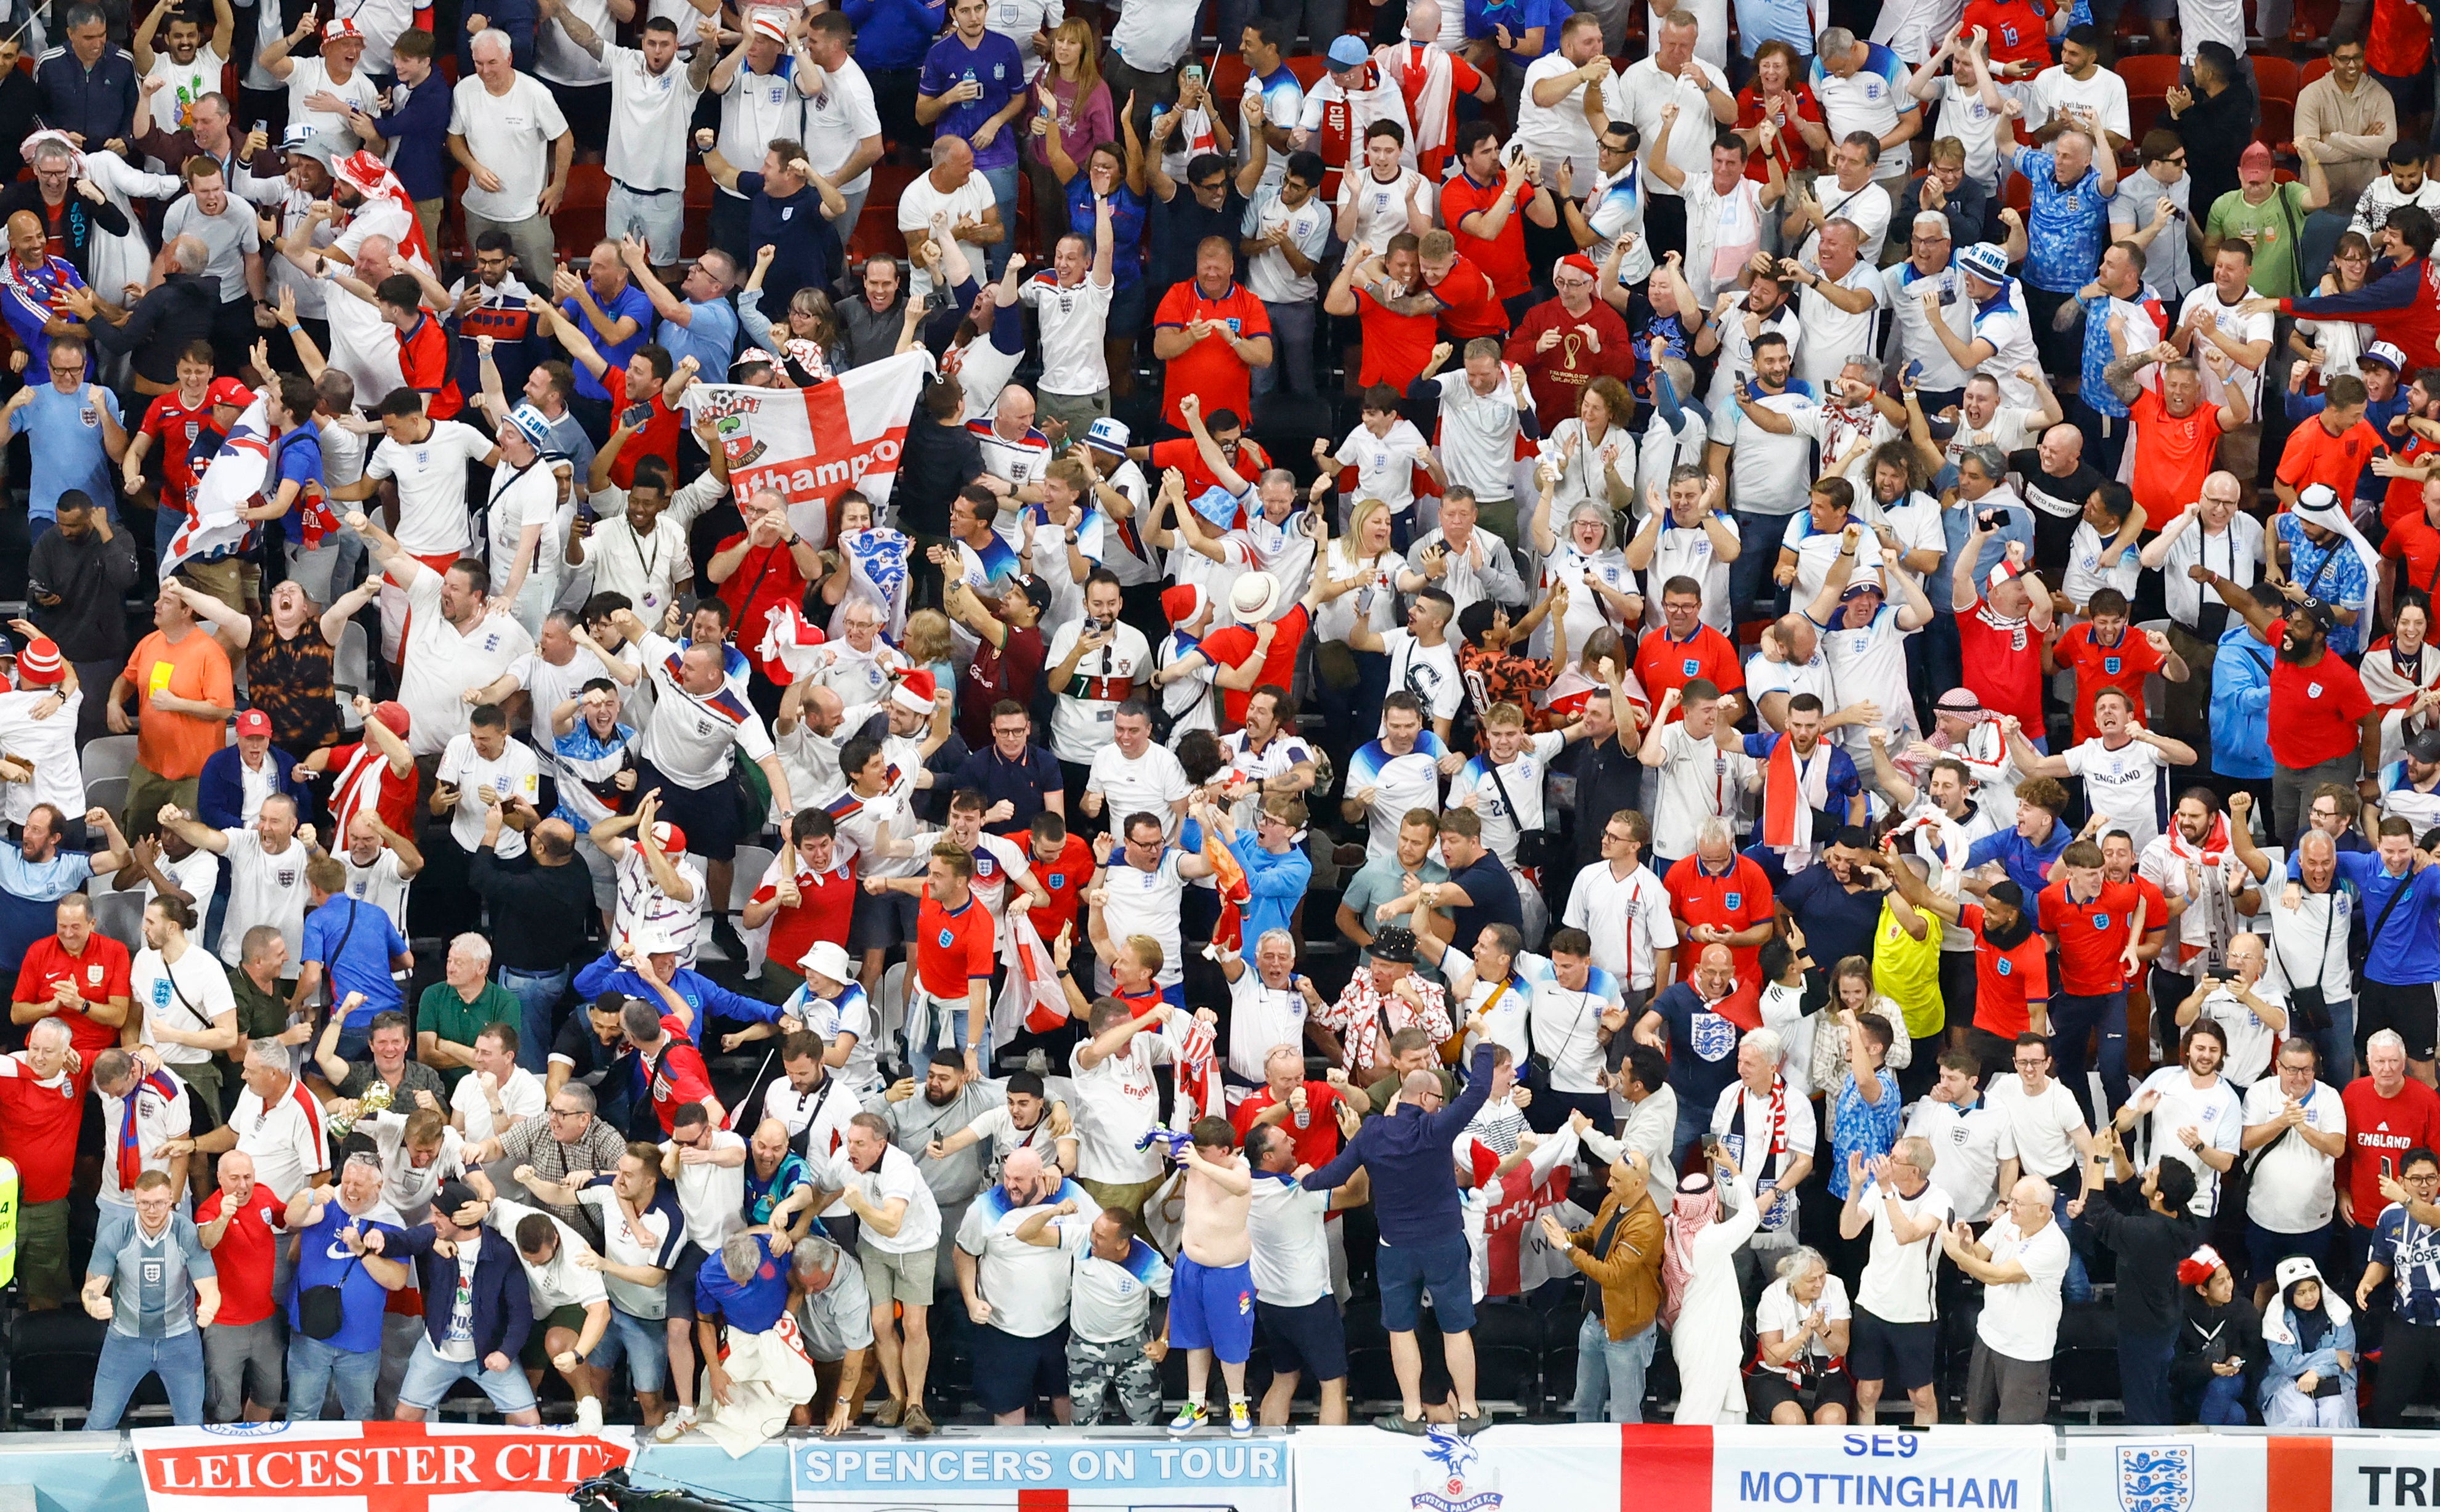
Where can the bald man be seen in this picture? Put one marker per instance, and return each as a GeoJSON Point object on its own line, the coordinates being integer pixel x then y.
{"type": "Point", "coordinates": [2057, 481]}
{"type": "Point", "coordinates": [244, 1349]}
{"type": "Point", "coordinates": [33, 272]}
{"type": "Point", "coordinates": [1688, 1022]}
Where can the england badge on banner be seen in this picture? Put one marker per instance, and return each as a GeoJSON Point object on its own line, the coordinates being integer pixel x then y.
{"type": "Point", "coordinates": [372, 1467]}
{"type": "Point", "coordinates": [2156, 1477]}
{"type": "Point", "coordinates": [811, 445]}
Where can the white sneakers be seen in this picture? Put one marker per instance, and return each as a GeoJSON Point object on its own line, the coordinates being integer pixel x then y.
{"type": "Point", "coordinates": [673, 1427]}
{"type": "Point", "coordinates": [588, 1411]}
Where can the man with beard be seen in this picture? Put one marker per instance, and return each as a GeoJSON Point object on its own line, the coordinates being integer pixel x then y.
{"type": "Point", "coordinates": [2203, 878]}
{"type": "Point", "coordinates": [2198, 1115]}
{"type": "Point", "coordinates": [2011, 969]}
{"type": "Point", "coordinates": [2322, 727]}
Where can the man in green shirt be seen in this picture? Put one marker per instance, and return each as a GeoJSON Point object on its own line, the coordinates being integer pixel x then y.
{"type": "Point", "coordinates": [451, 1012]}
{"type": "Point", "coordinates": [262, 1000]}
{"type": "Point", "coordinates": [1410, 1050]}
{"type": "Point", "coordinates": [2268, 215]}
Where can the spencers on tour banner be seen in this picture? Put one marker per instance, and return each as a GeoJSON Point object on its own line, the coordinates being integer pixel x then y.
{"type": "Point", "coordinates": [1650, 1468]}
{"type": "Point", "coordinates": [371, 1466]}
{"type": "Point", "coordinates": [1046, 1472]}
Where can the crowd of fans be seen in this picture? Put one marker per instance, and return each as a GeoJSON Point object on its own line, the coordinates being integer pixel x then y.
{"type": "Point", "coordinates": [1777, 697]}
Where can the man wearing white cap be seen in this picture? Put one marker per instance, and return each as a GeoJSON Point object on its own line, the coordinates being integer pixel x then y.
{"type": "Point", "coordinates": [500, 124]}
{"type": "Point", "coordinates": [526, 544]}
{"type": "Point", "coordinates": [2002, 339]}
{"type": "Point", "coordinates": [333, 76]}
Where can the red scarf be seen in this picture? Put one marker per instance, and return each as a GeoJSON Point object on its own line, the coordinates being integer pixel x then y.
{"type": "Point", "coordinates": [131, 1153]}
{"type": "Point", "coordinates": [1793, 787]}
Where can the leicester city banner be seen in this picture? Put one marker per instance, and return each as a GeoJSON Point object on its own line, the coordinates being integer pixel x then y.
{"type": "Point", "coordinates": [811, 445]}
{"type": "Point", "coordinates": [371, 1466]}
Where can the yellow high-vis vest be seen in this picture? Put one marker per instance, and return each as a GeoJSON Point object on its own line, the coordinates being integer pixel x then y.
{"type": "Point", "coordinates": [7, 1221]}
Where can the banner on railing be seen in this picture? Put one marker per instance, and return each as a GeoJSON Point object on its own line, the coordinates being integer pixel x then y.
{"type": "Point", "coordinates": [1683, 1470]}
{"type": "Point", "coordinates": [2238, 1473]}
{"type": "Point", "coordinates": [372, 1467]}
{"type": "Point", "coordinates": [1044, 1472]}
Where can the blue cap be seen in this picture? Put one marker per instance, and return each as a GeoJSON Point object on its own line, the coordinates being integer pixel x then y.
{"type": "Point", "coordinates": [1348, 52]}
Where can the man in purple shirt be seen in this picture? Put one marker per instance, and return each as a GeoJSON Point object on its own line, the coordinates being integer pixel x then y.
{"type": "Point", "coordinates": [974, 86]}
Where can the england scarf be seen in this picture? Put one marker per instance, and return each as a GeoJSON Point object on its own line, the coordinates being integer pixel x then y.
{"type": "Point", "coordinates": [232, 482]}
{"type": "Point", "coordinates": [2209, 860]}
{"type": "Point", "coordinates": [1793, 787]}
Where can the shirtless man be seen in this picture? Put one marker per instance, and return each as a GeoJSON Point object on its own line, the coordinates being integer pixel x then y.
{"type": "Point", "coordinates": [1212, 1295]}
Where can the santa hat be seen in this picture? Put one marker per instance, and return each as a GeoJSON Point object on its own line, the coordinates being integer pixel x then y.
{"type": "Point", "coordinates": [40, 664]}
{"type": "Point", "coordinates": [915, 691]}
{"type": "Point", "coordinates": [1185, 603]}
{"type": "Point", "coordinates": [2199, 1267]}
{"type": "Point", "coordinates": [1582, 264]}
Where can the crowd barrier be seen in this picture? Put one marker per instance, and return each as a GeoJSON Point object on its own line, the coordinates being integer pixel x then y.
{"type": "Point", "coordinates": [450, 1468]}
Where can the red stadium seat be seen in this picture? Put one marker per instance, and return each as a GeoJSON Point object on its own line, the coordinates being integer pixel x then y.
{"type": "Point", "coordinates": [2148, 75]}
{"type": "Point", "coordinates": [876, 232]}
{"type": "Point", "coordinates": [579, 226]}
{"type": "Point", "coordinates": [2278, 78]}
{"type": "Point", "coordinates": [2315, 69]}
{"type": "Point", "coordinates": [2278, 121]}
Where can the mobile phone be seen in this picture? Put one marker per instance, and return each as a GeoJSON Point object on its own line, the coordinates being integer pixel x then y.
{"type": "Point", "coordinates": [2389, 1166]}
{"type": "Point", "coordinates": [1191, 71]}
{"type": "Point", "coordinates": [637, 417]}
{"type": "Point", "coordinates": [262, 128]}
{"type": "Point", "coordinates": [1914, 370]}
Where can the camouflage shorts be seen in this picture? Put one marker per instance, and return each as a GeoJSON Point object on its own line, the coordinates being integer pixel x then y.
{"type": "Point", "coordinates": [1096, 1371]}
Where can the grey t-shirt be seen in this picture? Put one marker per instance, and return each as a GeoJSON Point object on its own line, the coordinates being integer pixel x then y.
{"type": "Point", "coordinates": [151, 1291]}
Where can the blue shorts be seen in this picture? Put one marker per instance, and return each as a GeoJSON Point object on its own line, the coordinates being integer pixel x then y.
{"type": "Point", "coordinates": [1212, 1308]}
{"type": "Point", "coordinates": [2266, 1249]}
{"type": "Point", "coordinates": [1307, 1341]}
{"type": "Point", "coordinates": [643, 1343]}
{"type": "Point", "coordinates": [429, 1378]}
{"type": "Point", "coordinates": [1011, 1371]}
{"type": "Point", "coordinates": [1444, 1268]}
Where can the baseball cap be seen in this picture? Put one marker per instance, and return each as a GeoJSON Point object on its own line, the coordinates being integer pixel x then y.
{"type": "Point", "coordinates": [1348, 52]}
{"type": "Point", "coordinates": [2424, 747]}
{"type": "Point", "coordinates": [230, 392]}
{"type": "Point", "coordinates": [341, 28]}
{"type": "Point", "coordinates": [1108, 434]}
{"type": "Point", "coordinates": [452, 1195]}
{"type": "Point", "coordinates": [669, 837]}
{"type": "Point", "coordinates": [2385, 353]}
{"type": "Point", "coordinates": [2255, 157]}
{"type": "Point", "coordinates": [253, 721]}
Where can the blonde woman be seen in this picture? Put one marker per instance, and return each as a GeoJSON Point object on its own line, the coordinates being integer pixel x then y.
{"type": "Point", "coordinates": [1852, 990]}
{"type": "Point", "coordinates": [1356, 576]}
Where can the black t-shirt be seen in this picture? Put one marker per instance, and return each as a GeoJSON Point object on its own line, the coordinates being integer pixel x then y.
{"type": "Point", "coordinates": [585, 1054]}
{"type": "Point", "coordinates": [1494, 898]}
{"type": "Point", "coordinates": [2061, 498]}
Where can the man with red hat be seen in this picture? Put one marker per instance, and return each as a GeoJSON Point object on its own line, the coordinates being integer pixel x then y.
{"type": "Point", "coordinates": [377, 772]}
{"type": "Point", "coordinates": [38, 736]}
{"type": "Point", "coordinates": [238, 777]}
{"type": "Point", "coordinates": [331, 77]}
{"type": "Point", "coordinates": [1566, 342]}
{"type": "Point", "coordinates": [1181, 674]}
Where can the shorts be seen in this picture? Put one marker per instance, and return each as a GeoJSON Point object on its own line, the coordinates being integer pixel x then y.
{"type": "Point", "coordinates": [2410, 1010]}
{"type": "Point", "coordinates": [893, 1276]}
{"type": "Point", "coordinates": [642, 1343]}
{"type": "Point", "coordinates": [2266, 1248]}
{"type": "Point", "coordinates": [709, 815]}
{"type": "Point", "coordinates": [1011, 1371]}
{"type": "Point", "coordinates": [1444, 1267]}
{"type": "Point", "coordinates": [681, 1279]}
{"type": "Point", "coordinates": [658, 219]}
{"type": "Point", "coordinates": [1307, 1341]}
{"type": "Point", "coordinates": [429, 1378]}
{"type": "Point", "coordinates": [569, 1317]}
{"type": "Point", "coordinates": [1210, 1308]}
{"type": "Point", "coordinates": [1767, 1389]}
{"type": "Point", "coordinates": [880, 921]}
{"type": "Point", "coordinates": [1895, 1354]}
{"type": "Point", "coordinates": [605, 873]}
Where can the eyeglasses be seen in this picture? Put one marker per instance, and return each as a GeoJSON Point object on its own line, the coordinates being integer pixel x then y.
{"type": "Point", "coordinates": [568, 1112]}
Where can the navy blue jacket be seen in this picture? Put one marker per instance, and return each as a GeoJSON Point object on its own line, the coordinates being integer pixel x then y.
{"type": "Point", "coordinates": [97, 102]}
{"type": "Point", "coordinates": [1414, 1180]}
{"type": "Point", "coordinates": [503, 1303]}
{"type": "Point", "coordinates": [220, 792]}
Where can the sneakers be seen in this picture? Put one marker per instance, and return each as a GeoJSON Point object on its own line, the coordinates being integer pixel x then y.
{"type": "Point", "coordinates": [1240, 1420]}
{"type": "Point", "coordinates": [673, 1427]}
{"type": "Point", "coordinates": [588, 1411]}
{"type": "Point", "coordinates": [889, 1415]}
{"type": "Point", "coordinates": [919, 1422]}
{"type": "Point", "coordinates": [1400, 1423]}
{"type": "Point", "coordinates": [1472, 1423]}
{"type": "Point", "coordinates": [724, 935]}
{"type": "Point", "coordinates": [1190, 1417]}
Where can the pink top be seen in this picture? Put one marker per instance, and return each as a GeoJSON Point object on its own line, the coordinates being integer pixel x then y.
{"type": "Point", "coordinates": [1081, 127]}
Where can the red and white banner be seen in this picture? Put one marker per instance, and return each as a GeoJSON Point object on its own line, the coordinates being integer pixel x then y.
{"type": "Point", "coordinates": [1611, 1468]}
{"type": "Point", "coordinates": [2244, 1473]}
{"type": "Point", "coordinates": [813, 444]}
{"type": "Point", "coordinates": [232, 480]}
{"type": "Point", "coordinates": [372, 1467]}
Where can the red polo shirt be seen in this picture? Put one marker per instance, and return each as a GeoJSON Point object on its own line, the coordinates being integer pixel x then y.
{"type": "Point", "coordinates": [2003, 665]}
{"type": "Point", "coordinates": [827, 898]}
{"type": "Point", "coordinates": [1395, 347]}
{"type": "Point", "coordinates": [681, 1077]}
{"type": "Point", "coordinates": [2404, 500]}
{"type": "Point", "coordinates": [1211, 368]}
{"type": "Point", "coordinates": [2414, 544]}
{"type": "Point", "coordinates": [1469, 301]}
{"type": "Point", "coordinates": [1502, 255]}
{"type": "Point", "coordinates": [1185, 455]}
{"type": "Point", "coordinates": [2122, 665]}
{"type": "Point", "coordinates": [2093, 935]}
{"type": "Point", "coordinates": [38, 1131]}
{"type": "Point", "coordinates": [1661, 664]}
{"type": "Point", "coordinates": [1316, 1143]}
{"type": "Point", "coordinates": [242, 1260]}
{"type": "Point", "coordinates": [2314, 456]}
{"type": "Point", "coordinates": [1230, 645]}
{"type": "Point", "coordinates": [100, 974]}
{"type": "Point", "coordinates": [1737, 898]}
{"type": "Point", "coordinates": [953, 948]}
{"type": "Point", "coordinates": [1065, 876]}
{"type": "Point", "coordinates": [2314, 709]}
{"type": "Point", "coordinates": [424, 362]}
{"type": "Point", "coordinates": [2004, 979]}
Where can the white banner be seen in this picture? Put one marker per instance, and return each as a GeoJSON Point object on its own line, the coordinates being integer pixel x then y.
{"type": "Point", "coordinates": [423, 1467]}
{"type": "Point", "coordinates": [1043, 1472]}
{"type": "Point", "coordinates": [813, 444]}
{"type": "Point", "coordinates": [2247, 1473]}
{"type": "Point", "coordinates": [1598, 1468]}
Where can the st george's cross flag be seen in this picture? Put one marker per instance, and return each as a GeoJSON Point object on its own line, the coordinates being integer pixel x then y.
{"type": "Point", "coordinates": [231, 482]}
{"type": "Point", "coordinates": [811, 445]}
